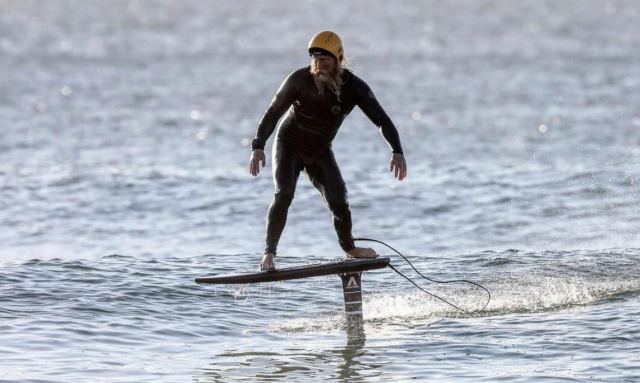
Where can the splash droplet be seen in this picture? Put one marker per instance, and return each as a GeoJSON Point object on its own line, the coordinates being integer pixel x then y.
{"type": "Point", "coordinates": [40, 107]}
{"type": "Point", "coordinates": [65, 91]}
{"type": "Point", "coordinates": [202, 134]}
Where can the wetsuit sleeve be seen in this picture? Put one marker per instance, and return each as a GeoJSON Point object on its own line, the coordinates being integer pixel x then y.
{"type": "Point", "coordinates": [367, 101]}
{"type": "Point", "coordinates": [284, 97]}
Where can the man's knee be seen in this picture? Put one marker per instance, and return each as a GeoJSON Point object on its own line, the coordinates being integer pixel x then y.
{"type": "Point", "coordinates": [283, 197]}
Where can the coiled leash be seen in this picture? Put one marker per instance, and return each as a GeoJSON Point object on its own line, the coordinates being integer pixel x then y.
{"type": "Point", "coordinates": [429, 279]}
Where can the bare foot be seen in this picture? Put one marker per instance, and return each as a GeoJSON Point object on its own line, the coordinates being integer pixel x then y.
{"type": "Point", "coordinates": [267, 263]}
{"type": "Point", "coordinates": [362, 253]}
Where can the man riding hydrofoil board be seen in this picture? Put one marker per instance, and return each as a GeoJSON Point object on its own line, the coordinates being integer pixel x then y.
{"type": "Point", "coordinates": [316, 100]}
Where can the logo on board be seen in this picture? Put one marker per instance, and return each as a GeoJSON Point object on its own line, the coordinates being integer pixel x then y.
{"type": "Point", "coordinates": [352, 282]}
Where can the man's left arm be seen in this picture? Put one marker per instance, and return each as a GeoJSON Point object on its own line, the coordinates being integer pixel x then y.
{"type": "Point", "coordinates": [367, 101]}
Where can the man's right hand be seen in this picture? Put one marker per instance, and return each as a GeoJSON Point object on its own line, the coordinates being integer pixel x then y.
{"type": "Point", "coordinates": [257, 156]}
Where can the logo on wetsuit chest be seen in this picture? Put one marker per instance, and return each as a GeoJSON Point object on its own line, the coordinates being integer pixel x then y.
{"type": "Point", "coordinates": [336, 109]}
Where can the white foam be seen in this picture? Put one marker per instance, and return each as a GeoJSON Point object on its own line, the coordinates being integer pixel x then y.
{"type": "Point", "coordinates": [514, 295]}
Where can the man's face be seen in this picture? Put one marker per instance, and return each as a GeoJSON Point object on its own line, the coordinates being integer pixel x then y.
{"type": "Point", "coordinates": [324, 63]}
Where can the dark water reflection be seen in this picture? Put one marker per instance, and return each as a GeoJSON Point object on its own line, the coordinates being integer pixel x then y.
{"type": "Point", "coordinates": [348, 363]}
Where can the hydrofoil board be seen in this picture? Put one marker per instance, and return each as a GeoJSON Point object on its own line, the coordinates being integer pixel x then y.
{"type": "Point", "coordinates": [297, 272]}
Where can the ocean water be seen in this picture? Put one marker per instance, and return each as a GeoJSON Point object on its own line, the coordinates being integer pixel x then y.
{"type": "Point", "coordinates": [125, 129]}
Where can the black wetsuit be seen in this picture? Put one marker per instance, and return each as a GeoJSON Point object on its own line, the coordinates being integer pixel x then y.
{"type": "Point", "coordinates": [303, 142]}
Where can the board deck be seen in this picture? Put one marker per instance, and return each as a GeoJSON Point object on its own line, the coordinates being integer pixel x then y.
{"type": "Point", "coordinates": [297, 272]}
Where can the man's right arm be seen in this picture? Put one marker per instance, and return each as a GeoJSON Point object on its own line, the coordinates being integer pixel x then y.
{"type": "Point", "coordinates": [284, 97]}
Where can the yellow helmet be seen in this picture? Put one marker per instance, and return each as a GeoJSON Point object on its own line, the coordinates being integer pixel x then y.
{"type": "Point", "coordinates": [327, 42]}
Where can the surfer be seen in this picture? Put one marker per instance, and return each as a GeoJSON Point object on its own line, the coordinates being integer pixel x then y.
{"type": "Point", "coordinates": [316, 99]}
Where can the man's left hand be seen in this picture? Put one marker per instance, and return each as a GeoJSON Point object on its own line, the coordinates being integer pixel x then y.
{"type": "Point", "coordinates": [398, 165]}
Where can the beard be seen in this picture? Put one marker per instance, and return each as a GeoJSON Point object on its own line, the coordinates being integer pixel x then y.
{"type": "Point", "coordinates": [331, 81]}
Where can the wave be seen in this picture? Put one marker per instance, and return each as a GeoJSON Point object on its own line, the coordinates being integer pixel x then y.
{"type": "Point", "coordinates": [521, 282]}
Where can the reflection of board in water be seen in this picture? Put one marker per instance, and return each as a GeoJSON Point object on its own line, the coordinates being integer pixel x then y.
{"type": "Point", "coordinates": [297, 272]}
